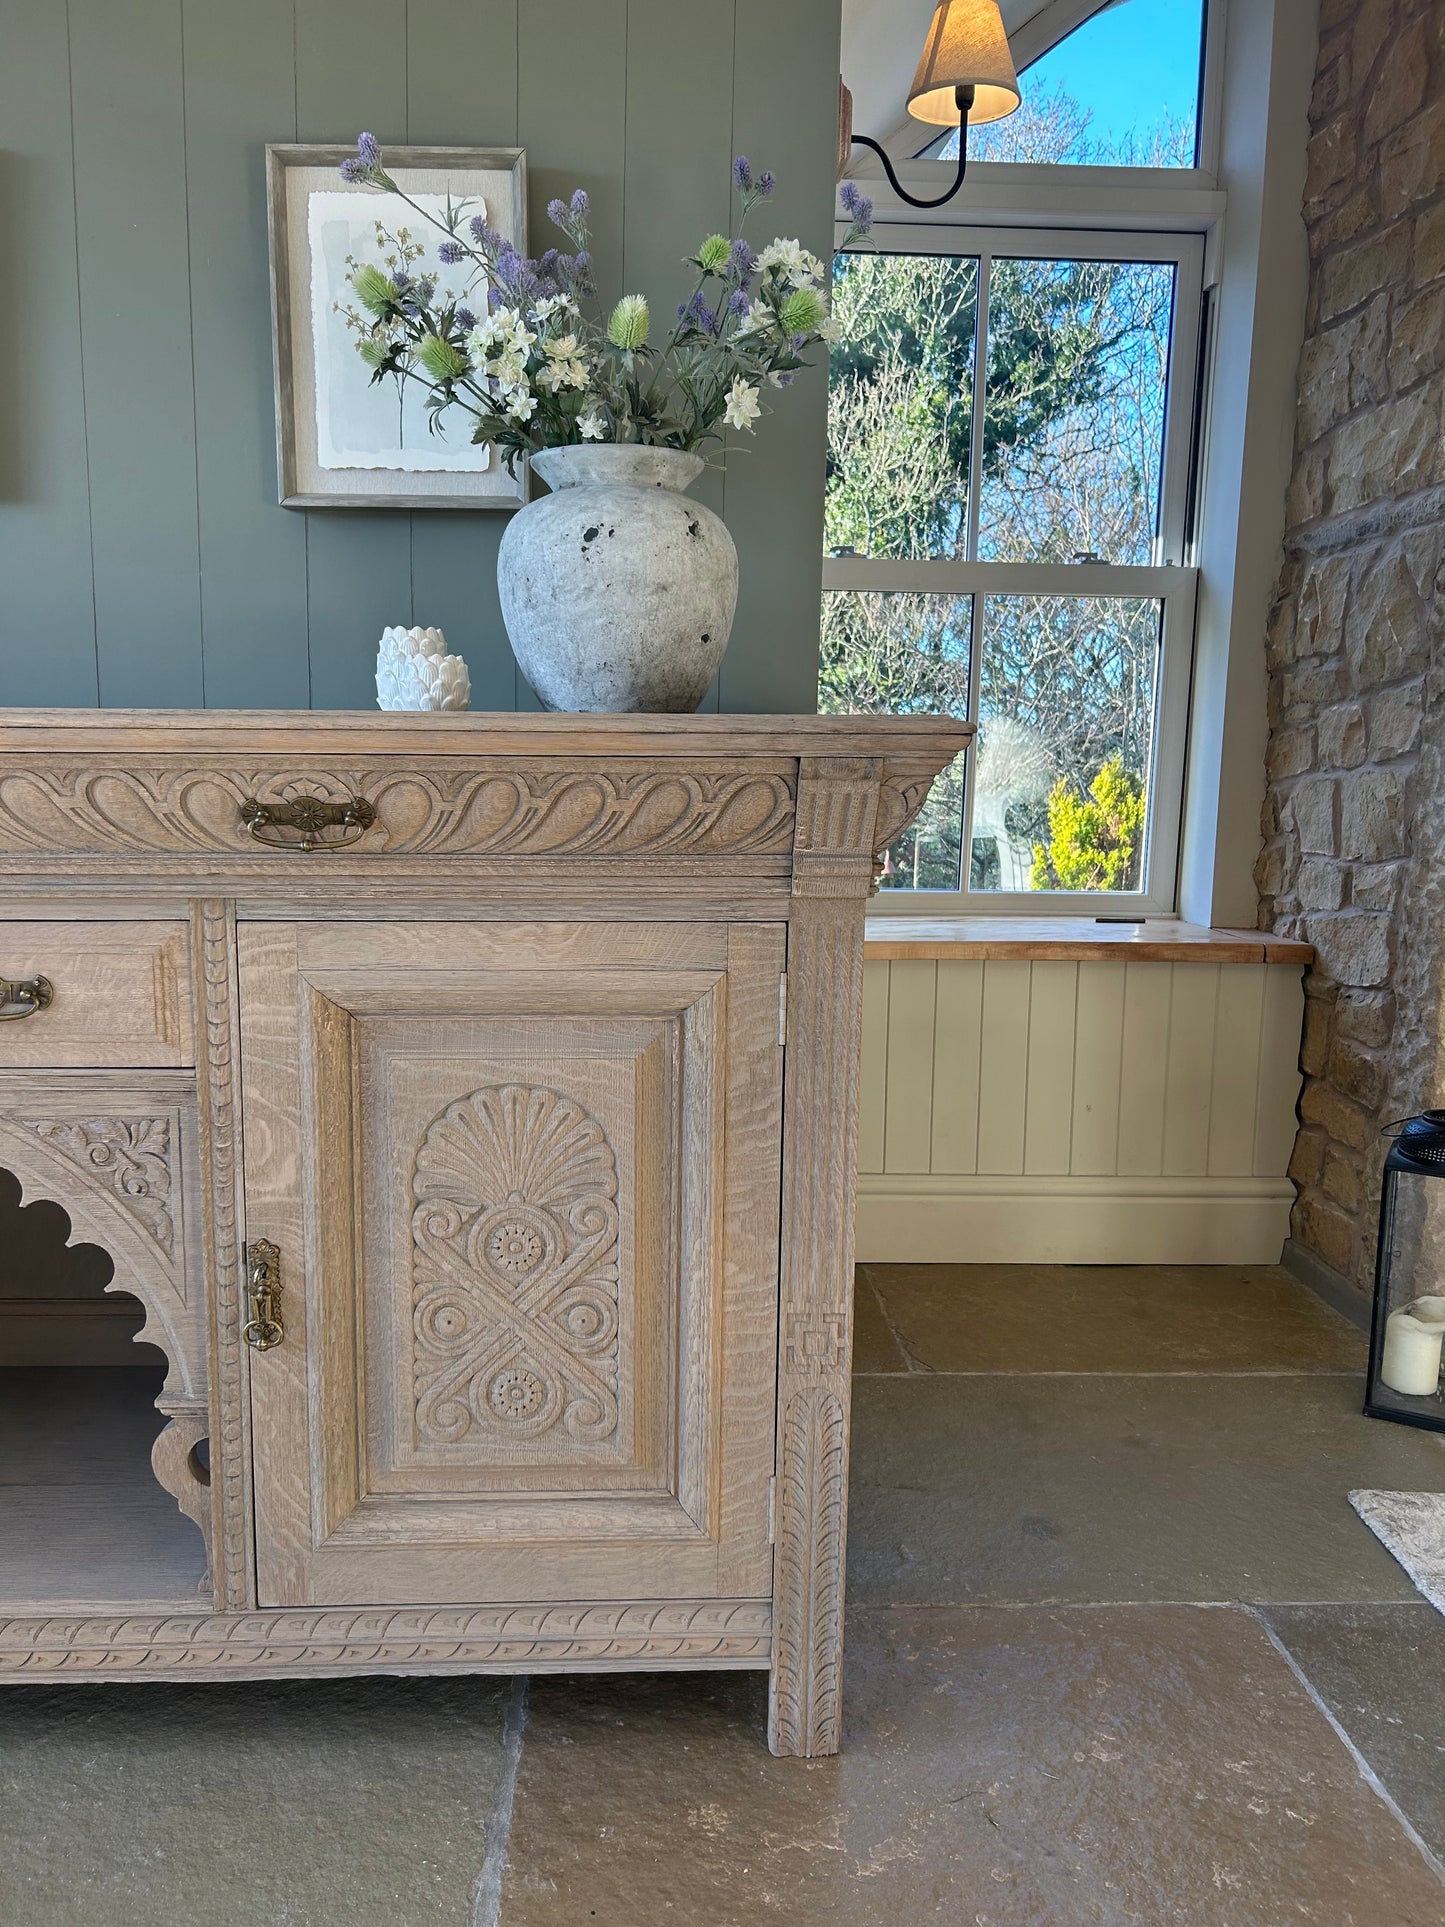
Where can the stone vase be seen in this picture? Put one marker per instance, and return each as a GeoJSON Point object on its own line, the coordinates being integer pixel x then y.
{"type": "Point", "coordinates": [618, 593]}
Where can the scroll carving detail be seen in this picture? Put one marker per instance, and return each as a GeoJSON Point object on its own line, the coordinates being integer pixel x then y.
{"type": "Point", "coordinates": [131, 1155]}
{"type": "Point", "coordinates": [515, 1271]}
{"type": "Point", "coordinates": [428, 811]}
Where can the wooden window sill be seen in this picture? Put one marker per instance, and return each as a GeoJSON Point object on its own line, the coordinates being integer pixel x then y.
{"type": "Point", "coordinates": [1073, 940]}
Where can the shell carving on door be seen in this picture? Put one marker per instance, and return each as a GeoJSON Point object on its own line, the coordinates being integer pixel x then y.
{"type": "Point", "coordinates": [515, 1257]}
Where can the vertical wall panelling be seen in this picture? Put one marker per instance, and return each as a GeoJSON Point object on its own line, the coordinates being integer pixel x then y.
{"type": "Point", "coordinates": [1276, 1116]}
{"type": "Point", "coordinates": [873, 1074]}
{"type": "Point", "coordinates": [350, 74]}
{"type": "Point", "coordinates": [130, 203]}
{"type": "Point", "coordinates": [907, 1130]}
{"type": "Point", "coordinates": [1144, 1068]}
{"type": "Point", "coordinates": [240, 93]}
{"type": "Point", "coordinates": [461, 75]}
{"type": "Point", "coordinates": [145, 557]}
{"type": "Point", "coordinates": [1003, 1067]}
{"type": "Point", "coordinates": [1234, 1083]}
{"type": "Point", "coordinates": [1098, 1113]}
{"type": "Point", "coordinates": [1191, 1060]}
{"type": "Point", "coordinates": [1098, 1051]}
{"type": "Point", "coordinates": [572, 120]}
{"type": "Point", "coordinates": [957, 1044]}
{"type": "Point", "coordinates": [785, 87]}
{"type": "Point", "coordinates": [47, 614]}
{"type": "Point", "coordinates": [1048, 1116]}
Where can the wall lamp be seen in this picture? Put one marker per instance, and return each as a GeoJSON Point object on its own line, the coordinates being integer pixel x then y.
{"type": "Point", "coordinates": [966, 74]}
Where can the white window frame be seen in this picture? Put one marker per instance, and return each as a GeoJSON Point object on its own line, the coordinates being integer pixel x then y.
{"type": "Point", "coordinates": [1168, 577]}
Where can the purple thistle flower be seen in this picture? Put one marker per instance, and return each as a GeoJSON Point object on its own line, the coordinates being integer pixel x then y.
{"type": "Point", "coordinates": [369, 150]}
{"type": "Point", "coordinates": [549, 260]}
{"type": "Point", "coordinates": [400, 279]}
{"type": "Point", "coordinates": [857, 205]}
{"type": "Point", "coordinates": [450, 252]}
{"type": "Point", "coordinates": [557, 213]}
{"type": "Point", "coordinates": [697, 314]}
{"type": "Point", "coordinates": [466, 320]}
{"type": "Point", "coordinates": [742, 260]}
{"type": "Point", "coordinates": [742, 173]}
{"type": "Point", "coordinates": [354, 170]}
{"type": "Point", "coordinates": [767, 181]}
{"type": "Point", "coordinates": [737, 302]}
{"type": "Point", "coordinates": [579, 202]}
{"type": "Point", "coordinates": [481, 231]}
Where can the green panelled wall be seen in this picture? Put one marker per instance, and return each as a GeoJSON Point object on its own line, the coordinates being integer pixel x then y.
{"type": "Point", "coordinates": [143, 557]}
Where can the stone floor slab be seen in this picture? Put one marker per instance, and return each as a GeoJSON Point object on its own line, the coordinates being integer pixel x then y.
{"type": "Point", "coordinates": [359, 1803]}
{"type": "Point", "coordinates": [1113, 1318]}
{"type": "Point", "coordinates": [1160, 1767]}
{"type": "Point", "coordinates": [1381, 1672]}
{"type": "Point", "coordinates": [1099, 1489]}
{"type": "Point", "coordinates": [875, 1349]}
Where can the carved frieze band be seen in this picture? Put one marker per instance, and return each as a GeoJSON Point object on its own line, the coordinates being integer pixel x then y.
{"type": "Point", "coordinates": [415, 1638]}
{"type": "Point", "coordinates": [515, 1271]}
{"type": "Point", "coordinates": [131, 1157]}
{"type": "Point", "coordinates": [215, 942]}
{"type": "Point", "coordinates": [811, 1531]}
{"type": "Point", "coordinates": [432, 811]}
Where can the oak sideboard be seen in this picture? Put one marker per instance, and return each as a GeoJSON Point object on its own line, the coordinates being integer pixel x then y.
{"type": "Point", "coordinates": [470, 1103]}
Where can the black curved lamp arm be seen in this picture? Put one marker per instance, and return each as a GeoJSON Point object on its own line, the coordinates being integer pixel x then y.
{"type": "Point", "coordinates": [963, 97]}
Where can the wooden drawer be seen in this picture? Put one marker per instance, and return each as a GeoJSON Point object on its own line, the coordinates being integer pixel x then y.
{"type": "Point", "coordinates": [121, 996]}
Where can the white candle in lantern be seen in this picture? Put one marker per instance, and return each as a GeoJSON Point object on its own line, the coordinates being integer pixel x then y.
{"type": "Point", "coordinates": [1414, 1336]}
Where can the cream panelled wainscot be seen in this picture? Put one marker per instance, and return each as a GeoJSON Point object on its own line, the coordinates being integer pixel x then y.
{"type": "Point", "coordinates": [471, 1104]}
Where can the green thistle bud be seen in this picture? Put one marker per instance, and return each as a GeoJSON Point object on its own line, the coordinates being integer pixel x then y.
{"type": "Point", "coordinates": [627, 328]}
{"type": "Point", "coordinates": [373, 289]}
{"type": "Point", "coordinates": [441, 360]}
{"type": "Point", "coordinates": [802, 311]}
{"type": "Point", "coordinates": [714, 254]}
{"type": "Point", "coordinates": [373, 353]}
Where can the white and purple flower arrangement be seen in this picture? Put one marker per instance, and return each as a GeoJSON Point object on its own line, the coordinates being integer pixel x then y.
{"type": "Point", "coordinates": [517, 352]}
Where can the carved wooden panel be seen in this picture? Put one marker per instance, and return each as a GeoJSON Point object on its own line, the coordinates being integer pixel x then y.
{"type": "Point", "coordinates": [432, 809]}
{"type": "Point", "coordinates": [116, 1171]}
{"type": "Point", "coordinates": [121, 996]}
{"type": "Point", "coordinates": [503, 1197]}
{"type": "Point", "coordinates": [515, 1271]}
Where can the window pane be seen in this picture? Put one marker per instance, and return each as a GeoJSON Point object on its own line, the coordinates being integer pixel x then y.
{"type": "Point", "coordinates": [893, 654]}
{"type": "Point", "coordinates": [1078, 365]}
{"type": "Point", "coordinates": [1066, 720]}
{"type": "Point", "coordinates": [900, 412]}
{"type": "Point", "coordinates": [1120, 90]}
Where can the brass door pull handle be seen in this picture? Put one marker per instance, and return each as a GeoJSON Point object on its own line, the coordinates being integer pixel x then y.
{"type": "Point", "coordinates": [309, 816]}
{"type": "Point", "coordinates": [263, 1269]}
{"type": "Point", "coordinates": [23, 996]}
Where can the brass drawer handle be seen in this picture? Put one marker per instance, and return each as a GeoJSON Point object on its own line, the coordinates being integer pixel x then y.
{"type": "Point", "coordinates": [23, 996]}
{"type": "Point", "coordinates": [309, 815]}
{"type": "Point", "coordinates": [263, 1266]}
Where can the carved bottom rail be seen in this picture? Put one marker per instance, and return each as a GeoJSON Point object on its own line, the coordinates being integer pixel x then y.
{"type": "Point", "coordinates": [415, 1639]}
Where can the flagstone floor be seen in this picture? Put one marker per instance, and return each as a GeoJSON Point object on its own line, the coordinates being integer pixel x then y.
{"type": "Point", "coordinates": [1118, 1652]}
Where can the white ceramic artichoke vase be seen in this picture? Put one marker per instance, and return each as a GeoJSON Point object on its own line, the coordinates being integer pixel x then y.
{"type": "Point", "coordinates": [414, 671]}
{"type": "Point", "coordinates": [618, 593]}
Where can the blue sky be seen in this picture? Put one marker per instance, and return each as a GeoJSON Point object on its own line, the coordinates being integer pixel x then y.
{"type": "Point", "coordinates": [1129, 65]}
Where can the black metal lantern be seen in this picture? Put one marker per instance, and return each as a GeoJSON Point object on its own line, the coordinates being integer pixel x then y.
{"type": "Point", "coordinates": [1407, 1332]}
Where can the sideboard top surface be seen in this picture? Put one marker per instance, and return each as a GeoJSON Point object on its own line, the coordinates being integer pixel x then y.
{"type": "Point", "coordinates": [476, 733]}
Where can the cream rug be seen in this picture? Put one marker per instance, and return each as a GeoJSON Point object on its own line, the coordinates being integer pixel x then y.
{"type": "Point", "coordinates": [1412, 1526]}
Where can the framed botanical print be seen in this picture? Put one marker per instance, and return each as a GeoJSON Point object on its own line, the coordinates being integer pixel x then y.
{"type": "Point", "coordinates": [342, 440]}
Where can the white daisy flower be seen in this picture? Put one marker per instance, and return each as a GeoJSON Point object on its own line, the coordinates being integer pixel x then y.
{"type": "Point", "coordinates": [743, 407]}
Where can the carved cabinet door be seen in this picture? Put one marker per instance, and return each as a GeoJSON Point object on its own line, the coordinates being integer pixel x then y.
{"type": "Point", "coordinates": [523, 1183]}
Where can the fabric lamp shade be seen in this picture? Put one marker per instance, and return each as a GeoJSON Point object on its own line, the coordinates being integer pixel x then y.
{"type": "Point", "coordinates": [966, 47]}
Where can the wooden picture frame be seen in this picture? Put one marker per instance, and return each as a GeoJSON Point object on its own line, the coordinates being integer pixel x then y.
{"type": "Point", "coordinates": [335, 447]}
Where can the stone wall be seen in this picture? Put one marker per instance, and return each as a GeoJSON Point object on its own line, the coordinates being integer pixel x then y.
{"type": "Point", "coordinates": [1354, 818]}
